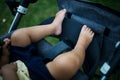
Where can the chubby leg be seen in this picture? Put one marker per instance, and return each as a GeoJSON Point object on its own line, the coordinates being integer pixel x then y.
{"type": "Point", "coordinates": [25, 36]}
{"type": "Point", "coordinates": [67, 64]}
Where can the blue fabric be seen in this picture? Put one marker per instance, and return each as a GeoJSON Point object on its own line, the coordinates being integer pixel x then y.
{"type": "Point", "coordinates": [35, 64]}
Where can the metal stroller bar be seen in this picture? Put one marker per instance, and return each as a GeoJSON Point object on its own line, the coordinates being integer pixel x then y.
{"type": "Point", "coordinates": [108, 67]}
{"type": "Point", "coordinates": [15, 22]}
{"type": "Point", "coordinates": [22, 10]}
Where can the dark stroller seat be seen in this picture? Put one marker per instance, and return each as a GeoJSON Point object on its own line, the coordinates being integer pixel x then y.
{"type": "Point", "coordinates": [103, 21]}
{"type": "Point", "coordinates": [68, 39]}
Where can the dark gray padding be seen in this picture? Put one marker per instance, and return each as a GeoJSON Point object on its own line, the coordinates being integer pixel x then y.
{"type": "Point", "coordinates": [80, 76]}
{"type": "Point", "coordinates": [48, 51]}
{"type": "Point", "coordinates": [96, 17]}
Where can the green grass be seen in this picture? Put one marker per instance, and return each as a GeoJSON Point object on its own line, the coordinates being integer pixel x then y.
{"type": "Point", "coordinates": [42, 10]}
{"type": "Point", "coordinates": [4, 14]}
{"type": "Point", "coordinates": [37, 12]}
{"type": "Point", "coordinates": [113, 4]}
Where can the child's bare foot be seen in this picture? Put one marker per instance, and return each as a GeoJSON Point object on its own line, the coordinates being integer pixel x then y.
{"type": "Point", "coordinates": [57, 23]}
{"type": "Point", "coordinates": [85, 37]}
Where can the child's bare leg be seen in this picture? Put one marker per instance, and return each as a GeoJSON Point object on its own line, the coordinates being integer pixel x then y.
{"type": "Point", "coordinates": [57, 21]}
{"type": "Point", "coordinates": [23, 37]}
{"type": "Point", "coordinates": [85, 37]}
{"type": "Point", "coordinates": [67, 64]}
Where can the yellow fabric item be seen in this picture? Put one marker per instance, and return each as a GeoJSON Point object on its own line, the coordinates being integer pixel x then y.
{"type": "Point", "coordinates": [22, 71]}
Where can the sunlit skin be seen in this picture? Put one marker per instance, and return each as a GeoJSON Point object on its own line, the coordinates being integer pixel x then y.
{"type": "Point", "coordinates": [64, 66]}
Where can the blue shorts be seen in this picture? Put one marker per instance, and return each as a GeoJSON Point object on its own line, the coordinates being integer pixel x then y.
{"type": "Point", "coordinates": [34, 63]}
